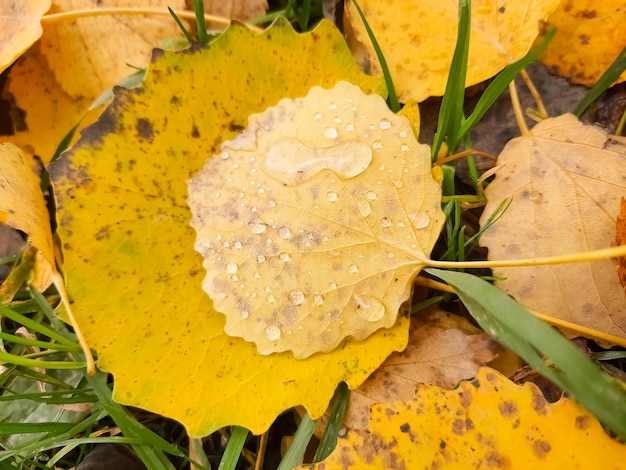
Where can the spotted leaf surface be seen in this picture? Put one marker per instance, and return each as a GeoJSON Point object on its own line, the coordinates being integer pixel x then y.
{"type": "Point", "coordinates": [487, 423]}
{"type": "Point", "coordinates": [314, 221]}
{"type": "Point", "coordinates": [132, 271]}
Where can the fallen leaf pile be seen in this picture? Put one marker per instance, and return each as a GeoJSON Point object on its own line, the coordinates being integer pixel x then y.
{"type": "Point", "coordinates": [565, 182]}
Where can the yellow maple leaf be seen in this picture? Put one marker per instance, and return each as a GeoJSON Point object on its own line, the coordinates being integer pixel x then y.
{"type": "Point", "coordinates": [565, 182]}
{"type": "Point", "coordinates": [130, 262]}
{"type": "Point", "coordinates": [487, 423]}
{"type": "Point", "coordinates": [312, 218]}
{"type": "Point", "coordinates": [589, 37]}
{"type": "Point", "coordinates": [20, 28]}
{"type": "Point", "coordinates": [418, 39]}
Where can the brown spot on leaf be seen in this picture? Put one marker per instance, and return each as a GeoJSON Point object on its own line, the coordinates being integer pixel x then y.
{"type": "Point", "coordinates": [508, 409]}
{"type": "Point", "coordinates": [541, 449]}
{"type": "Point", "coordinates": [144, 129]}
{"type": "Point", "coordinates": [582, 422]}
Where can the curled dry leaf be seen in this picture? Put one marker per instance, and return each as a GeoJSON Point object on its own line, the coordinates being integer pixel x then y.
{"type": "Point", "coordinates": [487, 423]}
{"type": "Point", "coordinates": [565, 182]}
{"type": "Point", "coordinates": [419, 46]}
{"type": "Point", "coordinates": [443, 349]}
{"type": "Point", "coordinates": [314, 221]}
{"type": "Point", "coordinates": [589, 37]}
{"type": "Point", "coordinates": [20, 28]}
{"type": "Point", "coordinates": [22, 206]}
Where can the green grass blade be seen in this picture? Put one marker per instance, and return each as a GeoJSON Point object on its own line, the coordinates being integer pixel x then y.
{"type": "Point", "coordinates": [233, 448]}
{"type": "Point", "coordinates": [335, 422]}
{"type": "Point", "coordinates": [451, 112]}
{"type": "Point", "coordinates": [7, 429]}
{"type": "Point", "coordinates": [394, 104]}
{"type": "Point", "coordinates": [295, 453]}
{"type": "Point", "coordinates": [151, 452]}
{"type": "Point", "coordinates": [7, 358]}
{"type": "Point", "coordinates": [604, 82]}
{"type": "Point", "coordinates": [36, 343]}
{"type": "Point", "coordinates": [186, 33]}
{"type": "Point", "coordinates": [36, 327]}
{"type": "Point", "coordinates": [198, 8]}
{"type": "Point", "coordinates": [501, 83]}
{"type": "Point", "coordinates": [531, 338]}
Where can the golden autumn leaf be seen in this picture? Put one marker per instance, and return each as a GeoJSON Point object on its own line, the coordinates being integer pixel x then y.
{"type": "Point", "coordinates": [20, 28]}
{"type": "Point", "coordinates": [312, 220]}
{"type": "Point", "coordinates": [91, 54]}
{"type": "Point", "coordinates": [620, 239]}
{"type": "Point", "coordinates": [130, 262]}
{"type": "Point", "coordinates": [419, 46]}
{"type": "Point", "coordinates": [242, 10]}
{"type": "Point", "coordinates": [589, 37]}
{"type": "Point", "coordinates": [565, 182]}
{"type": "Point", "coordinates": [48, 112]}
{"type": "Point", "coordinates": [23, 207]}
{"type": "Point", "coordinates": [487, 423]}
{"type": "Point", "coordinates": [443, 349]}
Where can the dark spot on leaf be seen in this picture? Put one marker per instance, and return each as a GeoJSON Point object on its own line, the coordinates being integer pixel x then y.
{"type": "Point", "coordinates": [539, 402]}
{"type": "Point", "coordinates": [144, 129]}
{"type": "Point", "coordinates": [442, 444]}
{"type": "Point", "coordinates": [589, 14]}
{"type": "Point", "coordinates": [501, 9]}
{"type": "Point", "coordinates": [157, 54]}
{"type": "Point", "coordinates": [235, 127]}
{"type": "Point", "coordinates": [582, 422]}
{"type": "Point", "coordinates": [195, 133]}
{"type": "Point", "coordinates": [508, 409]}
{"type": "Point", "coordinates": [406, 427]}
{"type": "Point", "coordinates": [458, 427]}
{"type": "Point", "coordinates": [541, 449]}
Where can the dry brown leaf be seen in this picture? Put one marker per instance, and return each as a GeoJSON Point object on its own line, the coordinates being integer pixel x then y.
{"type": "Point", "coordinates": [90, 55]}
{"type": "Point", "coordinates": [443, 350]}
{"type": "Point", "coordinates": [590, 35]}
{"type": "Point", "coordinates": [620, 239]}
{"type": "Point", "coordinates": [241, 10]}
{"type": "Point", "coordinates": [418, 38]}
{"type": "Point", "coordinates": [565, 181]}
{"type": "Point", "coordinates": [20, 28]}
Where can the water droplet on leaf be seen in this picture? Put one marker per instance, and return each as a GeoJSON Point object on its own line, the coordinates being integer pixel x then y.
{"type": "Point", "coordinates": [296, 297]}
{"type": "Point", "coordinates": [272, 333]}
{"type": "Point", "coordinates": [369, 307]}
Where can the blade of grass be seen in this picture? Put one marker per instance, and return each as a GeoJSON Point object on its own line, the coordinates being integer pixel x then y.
{"type": "Point", "coordinates": [295, 453]}
{"type": "Point", "coordinates": [36, 326]}
{"type": "Point", "coordinates": [394, 104]}
{"type": "Point", "coordinates": [501, 83]}
{"type": "Point", "coordinates": [335, 422]}
{"type": "Point", "coordinates": [36, 343]}
{"type": "Point", "coordinates": [198, 8]}
{"type": "Point", "coordinates": [151, 452]}
{"type": "Point", "coordinates": [233, 448]}
{"type": "Point", "coordinates": [7, 358]}
{"type": "Point", "coordinates": [604, 82]}
{"type": "Point", "coordinates": [451, 112]}
{"type": "Point", "coordinates": [186, 33]}
{"type": "Point", "coordinates": [531, 338]}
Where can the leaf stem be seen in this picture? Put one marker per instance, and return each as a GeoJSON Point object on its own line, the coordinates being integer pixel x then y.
{"type": "Point", "coordinates": [605, 253]}
{"type": "Point", "coordinates": [91, 12]}
{"type": "Point", "coordinates": [517, 109]}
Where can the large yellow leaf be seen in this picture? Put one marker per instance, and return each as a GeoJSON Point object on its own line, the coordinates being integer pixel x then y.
{"type": "Point", "coordinates": [443, 349]}
{"type": "Point", "coordinates": [565, 182]}
{"type": "Point", "coordinates": [20, 27]}
{"type": "Point", "coordinates": [91, 54]}
{"type": "Point", "coordinates": [589, 37]}
{"type": "Point", "coordinates": [487, 423]}
{"type": "Point", "coordinates": [312, 221]}
{"type": "Point", "coordinates": [418, 39]}
{"type": "Point", "coordinates": [130, 262]}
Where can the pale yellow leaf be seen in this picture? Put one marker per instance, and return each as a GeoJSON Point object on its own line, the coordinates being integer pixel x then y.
{"type": "Point", "coordinates": [20, 27]}
{"type": "Point", "coordinates": [314, 221]}
{"type": "Point", "coordinates": [89, 55]}
{"type": "Point", "coordinates": [565, 182]}
{"type": "Point", "coordinates": [241, 10]}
